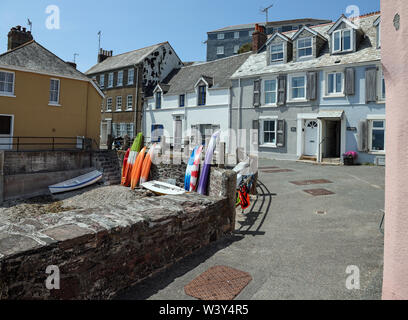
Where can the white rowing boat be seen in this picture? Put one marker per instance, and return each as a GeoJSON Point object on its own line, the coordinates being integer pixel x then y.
{"type": "Point", "coordinates": [163, 188]}
{"type": "Point", "coordinates": [76, 183]}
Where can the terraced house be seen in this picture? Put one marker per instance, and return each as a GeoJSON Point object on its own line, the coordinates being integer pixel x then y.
{"type": "Point", "coordinates": [45, 102]}
{"type": "Point", "coordinates": [193, 101]}
{"type": "Point", "coordinates": [125, 80]}
{"type": "Point", "coordinates": [315, 93]}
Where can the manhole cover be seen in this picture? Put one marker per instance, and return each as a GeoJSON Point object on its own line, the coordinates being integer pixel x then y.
{"type": "Point", "coordinates": [319, 192]}
{"type": "Point", "coordinates": [218, 283]}
{"type": "Point", "coordinates": [309, 182]}
{"type": "Point", "coordinates": [277, 171]}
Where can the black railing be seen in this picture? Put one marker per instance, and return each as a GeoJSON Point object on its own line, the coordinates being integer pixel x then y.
{"type": "Point", "coordinates": [46, 143]}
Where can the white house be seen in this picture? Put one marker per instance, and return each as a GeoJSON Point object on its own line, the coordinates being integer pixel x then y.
{"type": "Point", "coordinates": [192, 101]}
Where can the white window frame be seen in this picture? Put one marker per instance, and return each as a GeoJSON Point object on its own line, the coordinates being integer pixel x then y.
{"type": "Point", "coordinates": [264, 91]}
{"type": "Point", "coordinates": [109, 102]}
{"type": "Point", "coordinates": [6, 93]}
{"type": "Point", "coordinates": [161, 100]}
{"type": "Point", "coordinates": [110, 80]}
{"type": "Point", "coordinates": [335, 93]}
{"type": "Point", "coordinates": [290, 97]}
{"type": "Point", "coordinates": [311, 47]}
{"type": "Point", "coordinates": [283, 52]}
{"type": "Point", "coordinates": [129, 106]}
{"type": "Point", "coordinates": [131, 71]}
{"type": "Point", "coordinates": [341, 32]}
{"type": "Point", "coordinates": [379, 35]}
{"type": "Point", "coordinates": [220, 36]}
{"type": "Point", "coordinates": [219, 51]}
{"type": "Point", "coordinates": [236, 35]}
{"type": "Point", "coordinates": [129, 129]}
{"type": "Point", "coordinates": [370, 133]}
{"type": "Point", "coordinates": [119, 105]}
{"type": "Point", "coordinates": [102, 81]}
{"type": "Point", "coordinates": [262, 121]}
{"type": "Point", "coordinates": [55, 103]}
{"type": "Point", "coordinates": [119, 82]}
{"type": "Point", "coordinates": [380, 85]}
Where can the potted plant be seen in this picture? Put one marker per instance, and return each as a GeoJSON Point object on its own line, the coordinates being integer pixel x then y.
{"type": "Point", "coordinates": [349, 158]}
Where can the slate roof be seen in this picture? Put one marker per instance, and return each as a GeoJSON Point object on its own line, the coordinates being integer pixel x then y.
{"type": "Point", "coordinates": [367, 52]}
{"type": "Point", "coordinates": [124, 59]}
{"type": "Point", "coordinates": [33, 57]}
{"type": "Point", "coordinates": [183, 80]}
{"type": "Point", "coordinates": [271, 23]}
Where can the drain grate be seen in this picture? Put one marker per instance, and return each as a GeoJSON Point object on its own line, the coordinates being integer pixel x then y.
{"type": "Point", "coordinates": [321, 212]}
{"type": "Point", "coordinates": [309, 182]}
{"type": "Point", "coordinates": [319, 192]}
{"type": "Point", "coordinates": [277, 171]}
{"type": "Point", "coordinates": [218, 283]}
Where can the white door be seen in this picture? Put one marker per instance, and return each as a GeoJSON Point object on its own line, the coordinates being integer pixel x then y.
{"type": "Point", "coordinates": [6, 132]}
{"type": "Point", "coordinates": [311, 128]}
{"type": "Point", "coordinates": [104, 133]}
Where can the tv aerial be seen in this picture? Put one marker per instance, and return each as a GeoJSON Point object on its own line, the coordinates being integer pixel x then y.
{"type": "Point", "coordinates": [266, 11]}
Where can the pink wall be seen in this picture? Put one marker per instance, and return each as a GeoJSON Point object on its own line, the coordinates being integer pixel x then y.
{"type": "Point", "coordinates": [395, 61]}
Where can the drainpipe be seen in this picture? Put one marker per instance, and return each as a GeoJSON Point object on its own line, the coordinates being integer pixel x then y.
{"type": "Point", "coordinates": [239, 114]}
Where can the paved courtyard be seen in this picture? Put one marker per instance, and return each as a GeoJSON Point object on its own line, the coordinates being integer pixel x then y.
{"type": "Point", "coordinates": [291, 251]}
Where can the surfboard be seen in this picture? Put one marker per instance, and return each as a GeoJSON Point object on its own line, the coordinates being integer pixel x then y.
{"type": "Point", "coordinates": [147, 163]}
{"type": "Point", "coordinates": [195, 169]}
{"type": "Point", "coordinates": [137, 169]}
{"type": "Point", "coordinates": [190, 164]}
{"type": "Point", "coordinates": [203, 182]}
{"type": "Point", "coordinates": [163, 188]}
{"type": "Point", "coordinates": [137, 144]}
{"type": "Point", "coordinates": [125, 160]}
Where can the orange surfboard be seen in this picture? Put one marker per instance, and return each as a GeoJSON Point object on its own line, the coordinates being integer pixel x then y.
{"type": "Point", "coordinates": [147, 163]}
{"type": "Point", "coordinates": [137, 169]}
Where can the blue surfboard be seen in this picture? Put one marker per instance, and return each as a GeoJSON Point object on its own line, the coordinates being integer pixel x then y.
{"type": "Point", "coordinates": [190, 165]}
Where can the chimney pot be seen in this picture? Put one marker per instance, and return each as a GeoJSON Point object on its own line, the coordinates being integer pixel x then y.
{"type": "Point", "coordinates": [18, 37]}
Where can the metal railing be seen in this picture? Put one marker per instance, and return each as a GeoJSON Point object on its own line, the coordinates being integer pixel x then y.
{"type": "Point", "coordinates": [46, 143]}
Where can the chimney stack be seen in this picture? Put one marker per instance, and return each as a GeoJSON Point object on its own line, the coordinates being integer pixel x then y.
{"type": "Point", "coordinates": [104, 54]}
{"type": "Point", "coordinates": [72, 64]}
{"type": "Point", "coordinates": [17, 37]}
{"type": "Point", "coordinates": [259, 38]}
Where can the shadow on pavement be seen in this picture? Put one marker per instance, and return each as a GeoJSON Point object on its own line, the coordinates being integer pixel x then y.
{"type": "Point", "coordinates": [264, 200]}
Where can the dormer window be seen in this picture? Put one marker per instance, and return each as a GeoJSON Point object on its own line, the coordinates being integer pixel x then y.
{"type": "Point", "coordinates": [342, 41]}
{"type": "Point", "coordinates": [276, 52]}
{"type": "Point", "coordinates": [305, 47]}
{"type": "Point", "coordinates": [158, 99]}
{"type": "Point", "coordinates": [202, 94]}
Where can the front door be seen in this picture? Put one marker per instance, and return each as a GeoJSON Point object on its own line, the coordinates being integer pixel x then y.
{"type": "Point", "coordinates": [6, 132]}
{"type": "Point", "coordinates": [311, 128]}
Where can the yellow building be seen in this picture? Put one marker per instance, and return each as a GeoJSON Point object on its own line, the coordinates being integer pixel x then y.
{"type": "Point", "coordinates": [46, 102]}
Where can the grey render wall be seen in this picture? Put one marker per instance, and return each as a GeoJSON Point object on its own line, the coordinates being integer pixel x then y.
{"type": "Point", "coordinates": [242, 118]}
{"type": "Point", "coordinates": [228, 43]}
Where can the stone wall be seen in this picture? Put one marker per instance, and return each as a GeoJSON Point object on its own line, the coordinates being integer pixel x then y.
{"type": "Point", "coordinates": [103, 250]}
{"type": "Point", "coordinates": [27, 174]}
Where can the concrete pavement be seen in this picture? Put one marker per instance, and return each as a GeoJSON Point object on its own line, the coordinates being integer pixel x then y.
{"type": "Point", "coordinates": [290, 251]}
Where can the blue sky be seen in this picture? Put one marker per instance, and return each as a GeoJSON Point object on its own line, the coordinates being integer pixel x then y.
{"type": "Point", "coordinates": [131, 24]}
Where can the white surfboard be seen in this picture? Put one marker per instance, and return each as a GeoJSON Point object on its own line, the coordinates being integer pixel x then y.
{"type": "Point", "coordinates": [163, 188]}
